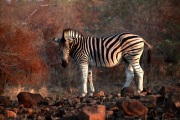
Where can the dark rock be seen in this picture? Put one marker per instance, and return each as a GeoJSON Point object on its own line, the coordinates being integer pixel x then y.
{"type": "Point", "coordinates": [48, 116]}
{"type": "Point", "coordinates": [76, 100]}
{"type": "Point", "coordinates": [73, 117]}
{"type": "Point", "coordinates": [173, 102]}
{"type": "Point", "coordinates": [37, 110]}
{"type": "Point", "coordinates": [132, 107]}
{"type": "Point", "coordinates": [148, 90]}
{"type": "Point", "coordinates": [109, 97]}
{"type": "Point", "coordinates": [4, 100]}
{"type": "Point", "coordinates": [57, 103]}
{"type": "Point", "coordinates": [149, 101]}
{"type": "Point", "coordinates": [91, 101]}
{"type": "Point", "coordinates": [83, 100]}
{"type": "Point", "coordinates": [156, 88]}
{"type": "Point", "coordinates": [177, 85]}
{"type": "Point", "coordinates": [167, 116]}
{"type": "Point", "coordinates": [153, 114]}
{"type": "Point", "coordinates": [60, 112]}
{"type": "Point", "coordinates": [2, 109]}
{"type": "Point", "coordinates": [127, 91]}
{"type": "Point", "coordinates": [30, 117]}
{"type": "Point", "coordinates": [93, 113]}
{"type": "Point", "coordinates": [2, 117]}
{"type": "Point", "coordinates": [110, 105]}
{"type": "Point", "coordinates": [30, 99]}
{"type": "Point", "coordinates": [77, 106]}
{"type": "Point", "coordinates": [14, 103]}
{"type": "Point", "coordinates": [165, 91]}
{"type": "Point", "coordinates": [109, 114]}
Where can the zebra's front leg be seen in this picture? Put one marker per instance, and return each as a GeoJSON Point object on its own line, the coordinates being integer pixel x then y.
{"type": "Point", "coordinates": [90, 82]}
{"type": "Point", "coordinates": [84, 76]}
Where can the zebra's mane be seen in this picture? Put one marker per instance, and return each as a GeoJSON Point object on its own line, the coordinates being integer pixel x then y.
{"type": "Point", "coordinates": [72, 33]}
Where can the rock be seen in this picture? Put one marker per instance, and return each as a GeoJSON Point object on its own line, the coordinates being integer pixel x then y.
{"type": "Point", "coordinates": [4, 100]}
{"type": "Point", "coordinates": [148, 90]}
{"type": "Point", "coordinates": [132, 107]}
{"type": "Point", "coordinates": [15, 110]}
{"type": "Point", "coordinates": [45, 109]}
{"type": "Point", "coordinates": [99, 94]}
{"type": "Point", "coordinates": [60, 112]}
{"type": "Point", "coordinates": [110, 105]}
{"type": "Point", "coordinates": [109, 114]}
{"type": "Point", "coordinates": [76, 100]}
{"type": "Point", "coordinates": [167, 116]}
{"type": "Point", "coordinates": [109, 97]}
{"type": "Point", "coordinates": [1, 109]}
{"type": "Point", "coordinates": [56, 103]}
{"type": "Point", "coordinates": [93, 113]}
{"type": "Point", "coordinates": [10, 114]}
{"type": "Point", "coordinates": [47, 116]}
{"type": "Point", "coordinates": [14, 103]}
{"type": "Point", "coordinates": [156, 88]}
{"type": "Point", "coordinates": [30, 99]}
{"type": "Point", "coordinates": [173, 102]}
{"type": "Point", "coordinates": [77, 106]}
{"type": "Point", "coordinates": [177, 85]}
{"type": "Point", "coordinates": [30, 111]}
{"type": "Point", "coordinates": [40, 118]}
{"type": "Point", "coordinates": [149, 101]}
{"type": "Point", "coordinates": [127, 91]}
{"type": "Point", "coordinates": [165, 91]}
{"type": "Point", "coordinates": [153, 114]}
{"type": "Point", "coordinates": [91, 101]}
{"type": "Point", "coordinates": [2, 117]}
{"type": "Point", "coordinates": [37, 111]}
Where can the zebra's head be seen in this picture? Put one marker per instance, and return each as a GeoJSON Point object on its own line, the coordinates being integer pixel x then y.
{"type": "Point", "coordinates": [64, 45]}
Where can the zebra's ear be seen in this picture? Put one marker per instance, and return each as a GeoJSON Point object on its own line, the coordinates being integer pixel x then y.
{"type": "Point", "coordinates": [56, 40]}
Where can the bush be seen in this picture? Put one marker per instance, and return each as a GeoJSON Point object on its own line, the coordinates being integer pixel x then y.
{"type": "Point", "coordinates": [169, 49]}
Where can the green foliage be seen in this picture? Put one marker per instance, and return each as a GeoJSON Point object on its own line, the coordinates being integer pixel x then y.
{"type": "Point", "coordinates": [170, 49]}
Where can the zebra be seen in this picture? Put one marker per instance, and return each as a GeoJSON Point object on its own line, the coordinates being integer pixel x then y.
{"type": "Point", "coordinates": [107, 52]}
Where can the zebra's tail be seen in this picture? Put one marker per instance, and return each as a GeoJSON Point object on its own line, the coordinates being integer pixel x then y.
{"type": "Point", "coordinates": [149, 56]}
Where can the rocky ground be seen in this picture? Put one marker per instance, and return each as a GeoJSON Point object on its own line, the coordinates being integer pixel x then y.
{"type": "Point", "coordinates": [164, 104]}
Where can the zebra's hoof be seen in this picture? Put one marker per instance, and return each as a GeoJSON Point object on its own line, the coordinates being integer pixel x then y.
{"type": "Point", "coordinates": [91, 94]}
{"type": "Point", "coordinates": [83, 95]}
{"type": "Point", "coordinates": [142, 94]}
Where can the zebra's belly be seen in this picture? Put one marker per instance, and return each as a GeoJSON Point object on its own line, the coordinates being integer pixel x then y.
{"type": "Point", "coordinates": [94, 63]}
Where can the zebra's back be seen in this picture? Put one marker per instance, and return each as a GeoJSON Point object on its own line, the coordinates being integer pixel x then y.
{"type": "Point", "coordinates": [108, 51]}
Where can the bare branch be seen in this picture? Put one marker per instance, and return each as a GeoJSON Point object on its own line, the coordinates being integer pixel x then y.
{"type": "Point", "coordinates": [31, 15]}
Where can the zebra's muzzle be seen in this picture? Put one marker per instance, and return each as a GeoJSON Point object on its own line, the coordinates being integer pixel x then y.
{"type": "Point", "coordinates": [64, 63]}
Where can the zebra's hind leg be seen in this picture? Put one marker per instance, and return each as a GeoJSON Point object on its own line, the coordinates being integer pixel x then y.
{"type": "Point", "coordinates": [139, 73]}
{"type": "Point", "coordinates": [129, 74]}
{"type": "Point", "coordinates": [90, 82]}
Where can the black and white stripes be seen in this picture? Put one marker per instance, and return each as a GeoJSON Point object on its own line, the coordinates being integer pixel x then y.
{"type": "Point", "coordinates": [103, 52]}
